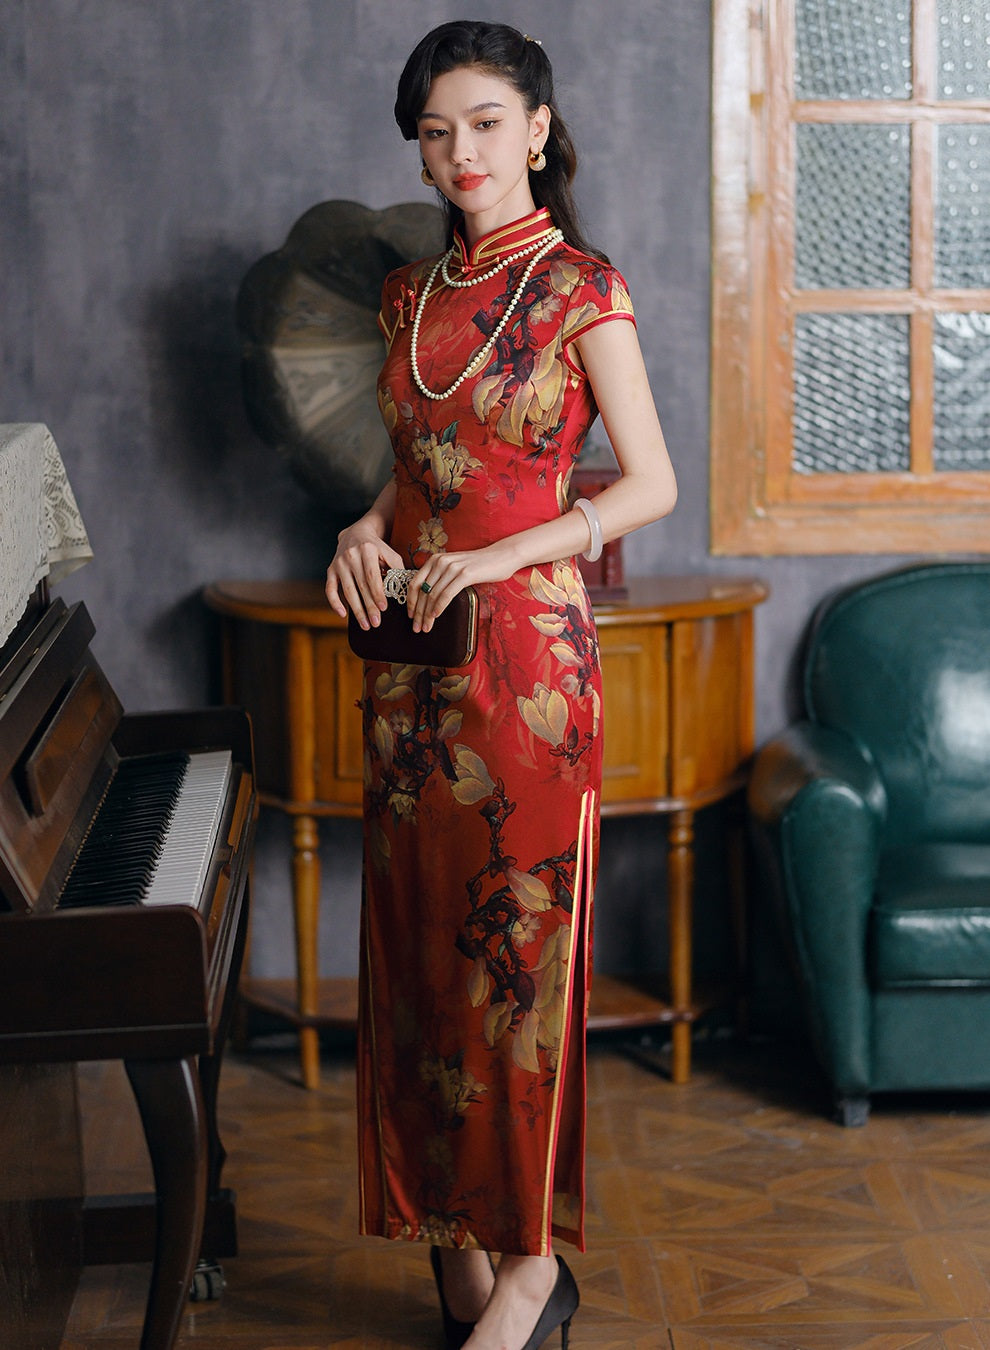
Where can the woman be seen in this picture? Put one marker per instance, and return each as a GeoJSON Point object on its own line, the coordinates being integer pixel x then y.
{"type": "Point", "coordinates": [482, 783]}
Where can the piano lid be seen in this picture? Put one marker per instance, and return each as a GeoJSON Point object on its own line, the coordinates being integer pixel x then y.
{"type": "Point", "coordinates": [41, 531]}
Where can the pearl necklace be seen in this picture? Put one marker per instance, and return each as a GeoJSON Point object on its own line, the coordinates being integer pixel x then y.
{"type": "Point", "coordinates": [552, 240]}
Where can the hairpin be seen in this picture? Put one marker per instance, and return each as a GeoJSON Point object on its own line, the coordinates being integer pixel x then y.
{"type": "Point", "coordinates": [532, 39]}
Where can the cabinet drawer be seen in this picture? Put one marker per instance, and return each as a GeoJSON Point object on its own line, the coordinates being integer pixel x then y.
{"type": "Point", "coordinates": [635, 680]}
{"type": "Point", "coordinates": [712, 698]}
{"type": "Point", "coordinates": [339, 687]}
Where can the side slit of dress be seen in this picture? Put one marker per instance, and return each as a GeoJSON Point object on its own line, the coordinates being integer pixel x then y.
{"type": "Point", "coordinates": [568, 1134]}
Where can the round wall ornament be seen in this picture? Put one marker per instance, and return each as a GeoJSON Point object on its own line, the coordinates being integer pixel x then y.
{"type": "Point", "coordinates": [311, 347]}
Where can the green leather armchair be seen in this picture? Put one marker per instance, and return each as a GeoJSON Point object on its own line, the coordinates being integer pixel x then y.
{"type": "Point", "coordinates": [871, 828]}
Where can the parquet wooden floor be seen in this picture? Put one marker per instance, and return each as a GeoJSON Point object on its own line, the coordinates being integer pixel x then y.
{"type": "Point", "coordinates": [723, 1214]}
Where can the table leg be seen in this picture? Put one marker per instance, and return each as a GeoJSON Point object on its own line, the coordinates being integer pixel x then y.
{"type": "Point", "coordinates": [306, 903]}
{"type": "Point", "coordinates": [680, 888]}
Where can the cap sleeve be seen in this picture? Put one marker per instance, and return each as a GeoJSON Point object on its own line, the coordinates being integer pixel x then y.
{"type": "Point", "coordinates": [600, 295]}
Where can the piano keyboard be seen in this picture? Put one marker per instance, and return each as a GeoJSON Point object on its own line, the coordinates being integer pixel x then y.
{"type": "Point", "coordinates": [153, 838]}
{"type": "Point", "coordinates": [181, 871]}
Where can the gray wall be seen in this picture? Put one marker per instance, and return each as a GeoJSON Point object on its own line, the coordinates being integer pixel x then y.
{"type": "Point", "coordinates": [150, 152]}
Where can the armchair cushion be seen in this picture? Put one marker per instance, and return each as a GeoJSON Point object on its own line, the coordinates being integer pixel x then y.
{"type": "Point", "coordinates": [930, 922]}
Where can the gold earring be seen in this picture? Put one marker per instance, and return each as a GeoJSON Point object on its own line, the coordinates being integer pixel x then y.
{"type": "Point", "coordinates": [537, 161]}
{"type": "Point", "coordinates": [426, 176]}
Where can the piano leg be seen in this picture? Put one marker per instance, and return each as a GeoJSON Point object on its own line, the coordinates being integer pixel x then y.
{"type": "Point", "coordinates": [220, 1225]}
{"type": "Point", "coordinates": [210, 1065]}
{"type": "Point", "coordinates": [171, 1104]}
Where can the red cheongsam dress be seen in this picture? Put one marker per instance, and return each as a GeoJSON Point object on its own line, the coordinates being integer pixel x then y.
{"type": "Point", "coordinates": [482, 783]}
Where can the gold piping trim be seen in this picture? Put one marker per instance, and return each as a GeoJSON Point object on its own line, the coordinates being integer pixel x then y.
{"type": "Point", "coordinates": [369, 1017]}
{"type": "Point", "coordinates": [526, 230]}
{"type": "Point", "coordinates": [587, 812]}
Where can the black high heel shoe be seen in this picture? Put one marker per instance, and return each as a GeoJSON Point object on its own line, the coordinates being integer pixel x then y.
{"type": "Point", "coordinates": [558, 1310]}
{"type": "Point", "coordinates": [455, 1332]}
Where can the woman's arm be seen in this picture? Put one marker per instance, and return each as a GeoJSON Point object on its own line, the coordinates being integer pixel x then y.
{"type": "Point", "coordinates": [647, 489]}
{"type": "Point", "coordinates": [612, 359]}
{"type": "Point", "coordinates": [354, 578]}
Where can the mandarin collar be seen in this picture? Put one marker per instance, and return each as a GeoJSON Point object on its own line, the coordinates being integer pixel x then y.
{"type": "Point", "coordinates": [500, 243]}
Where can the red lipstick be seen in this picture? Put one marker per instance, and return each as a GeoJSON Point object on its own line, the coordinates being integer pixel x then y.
{"type": "Point", "coordinates": [467, 182]}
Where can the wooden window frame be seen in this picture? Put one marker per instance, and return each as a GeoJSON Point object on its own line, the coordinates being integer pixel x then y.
{"type": "Point", "coordinates": [758, 504]}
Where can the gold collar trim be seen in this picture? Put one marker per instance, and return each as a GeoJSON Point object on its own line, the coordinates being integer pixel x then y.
{"type": "Point", "coordinates": [500, 243]}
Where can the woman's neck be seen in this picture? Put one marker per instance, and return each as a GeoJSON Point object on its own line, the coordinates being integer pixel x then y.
{"type": "Point", "coordinates": [476, 224]}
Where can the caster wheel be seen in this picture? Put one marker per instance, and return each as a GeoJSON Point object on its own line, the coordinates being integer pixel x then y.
{"type": "Point", "coordinates": [208, 1283]}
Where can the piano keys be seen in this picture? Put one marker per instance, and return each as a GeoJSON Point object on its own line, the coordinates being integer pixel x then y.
{"type": "Point", "coordinates": [154, 833]}
{"type": "Point", "coordinates": [124, 851]}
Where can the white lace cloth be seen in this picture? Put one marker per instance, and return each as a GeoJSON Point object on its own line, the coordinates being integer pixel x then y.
{"type": "Point", "coordinates": [41, 530]}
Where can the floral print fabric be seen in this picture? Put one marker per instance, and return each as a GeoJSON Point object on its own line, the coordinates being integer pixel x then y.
{"type": "Point", "coordinates": [481, 783]}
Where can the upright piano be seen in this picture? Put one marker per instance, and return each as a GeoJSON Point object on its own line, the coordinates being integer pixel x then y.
{"type": "Point", "coordinates": [124, 851]}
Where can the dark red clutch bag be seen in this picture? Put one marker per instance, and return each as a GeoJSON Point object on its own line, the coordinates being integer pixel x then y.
{"type": "Point", "coordinates": [452, 641]}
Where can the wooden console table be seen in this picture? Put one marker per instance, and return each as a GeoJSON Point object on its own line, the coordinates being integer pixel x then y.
{"type": "Point", "coordinates": [677, 663]}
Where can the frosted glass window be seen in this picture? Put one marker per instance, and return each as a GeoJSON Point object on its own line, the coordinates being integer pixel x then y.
{"type": "Point", "coordinates": [853, 206]}
{"type": "Point", "coordinates": [962, 391]}
{"type": "Point", "coordinates": [962, 207]}
{"type": "Point", "coordinates": [851, 393]}
{"type": "Point", "coordinates": [853, 49]}
{"type": "Point", "coordinates": [963, 49]}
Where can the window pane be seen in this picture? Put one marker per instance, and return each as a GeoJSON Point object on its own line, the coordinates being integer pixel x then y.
{"type": "Point", "coordinates": [851, 393]}
{"type": "Point", "coordinates": [853, 206]}
{"type": "Point", "coordinates": [962, 391]}
{"type": "Point", "coordinates": [853, 49]}
{"type": "Point", "coordinates": [963, 49]}
{"type": "Point", "coordinates": [962, 207]}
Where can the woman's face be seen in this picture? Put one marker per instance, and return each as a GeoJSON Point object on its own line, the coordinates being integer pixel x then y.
{"type": "Point", "coordinates": [475, 136]}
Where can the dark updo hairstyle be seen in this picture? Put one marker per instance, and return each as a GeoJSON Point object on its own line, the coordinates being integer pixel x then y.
{"type": "Point", "coordinates": [505, 53]}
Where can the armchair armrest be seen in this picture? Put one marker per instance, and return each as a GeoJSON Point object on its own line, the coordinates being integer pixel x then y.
{"type": "Point", "coordinates": [817, 808]}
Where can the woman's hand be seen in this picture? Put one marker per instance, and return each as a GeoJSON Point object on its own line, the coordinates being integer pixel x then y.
{"type": "Point", "coordinates": [440, 579]}
{"type": "Point", "coordinates": [354, 578]}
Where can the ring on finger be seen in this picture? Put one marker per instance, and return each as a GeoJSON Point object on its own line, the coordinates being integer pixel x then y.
{"type": "Point", "coordinates": [426, 588]}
